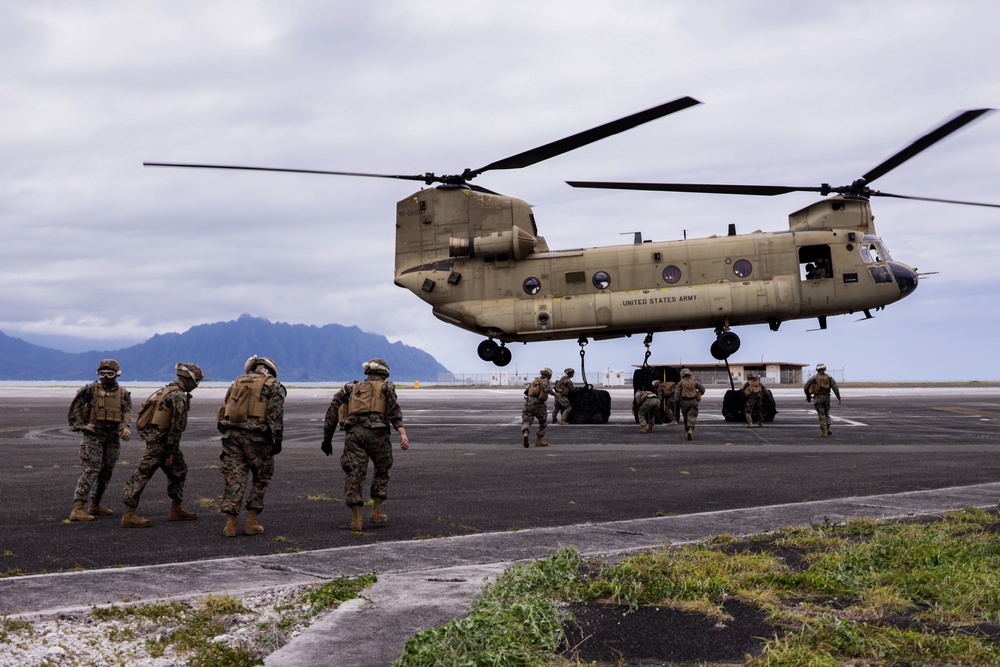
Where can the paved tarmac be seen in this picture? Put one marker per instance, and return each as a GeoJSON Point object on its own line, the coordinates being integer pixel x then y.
{"type": "Point", "coordinates": [467, 481]}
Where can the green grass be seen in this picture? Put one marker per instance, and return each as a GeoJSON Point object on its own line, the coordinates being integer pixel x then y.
{"type": "Point", "coordinates": [864, 592]}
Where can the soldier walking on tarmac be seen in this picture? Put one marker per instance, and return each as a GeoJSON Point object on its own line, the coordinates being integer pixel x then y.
{"type": "Point", "coordinates": [753, 400]}
{"type": "Point", "coordinates": [534, 407]}
{"type": "Point", "coordinates": [687, 394]}
{"type": "Point", "coordinates": [818, 389]}
{"type": "Point", "coordinates": [647, 404]}
{"type": "Point", "coordinates": [101, 411]}
{"type": "Point", "coordinates": [665, 392]}
{"type": "Point", "coordinates": [366, 410]}
{"type": "Point", "coordinates": [252, 424]}
{"type": "Point", "coordinates": [564, 386]}
{"type": "Point", "coordinates": [161, 422]}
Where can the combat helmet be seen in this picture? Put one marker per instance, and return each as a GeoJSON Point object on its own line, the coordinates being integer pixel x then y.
{"type": "Point", "coordinates": [191, 371]}
{"type": "Point", "coordinates": [546, 372]}
{"type": "Point", "coordinates": [376, 366]}
{"type": "Point", "coordinates": [570, 372]}
{"type": "Point", "coordinates": [109, 365]}
{"type": "Point", "coordinates": [686, 373]}
{"type": "Point", "coordinates": [656, 383]}
{"type": "Point", "coordinates": [255, 361]}
{"type": "Point", "coordinates": [820, 368]}
{"type": "Point", "coordinates": [751, 375]}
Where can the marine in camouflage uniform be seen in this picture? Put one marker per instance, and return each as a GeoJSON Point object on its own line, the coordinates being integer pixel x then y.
{"type": "Point", "coordinates": [687, 395]}
{"type": "Point", "coordinates": [101, 411]}
{"type": "Point", "coordinates": [535, 408]}
{"type": "Point", "coordinates": [163, 450]}
{"type": "Point", "coordinates": [647, 404]}
{"type": "Point", "coordinates": [818, 389]}
{"type": "Point", "coordinates": [367, 437]}
{"type": "Point", "coordinates": [665, 392]}
{"type": "Point", "coordinates": [753, 400]}
{"type": "Point", "coordinates": [564, 386]}
{"type": "Point", "coordinates": [252, 424]}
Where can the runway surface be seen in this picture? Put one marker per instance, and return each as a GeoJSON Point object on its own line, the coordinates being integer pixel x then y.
{"type": "Point", "coordinates": [466, 472]}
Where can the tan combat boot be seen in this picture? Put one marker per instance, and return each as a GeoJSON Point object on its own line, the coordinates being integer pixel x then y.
{"type": "Point", "coordinates": [132, 520]}
{"type": "Point", "coordinates": [525, 438]}
{"type": "Point", "coordinates": [251, 526]}
{"type": "Point", "coordinates": [563, 421]}
{"type": "Point", "coordinates": [78, 513]}
{"type": "Point", "coordinates": [642, 429]}
{"type": "Point", "coordinates": [688, 434]}
{"type": "Point", "coordinates": [378, 516]}
{"type": "Point", "coordinates": [230, 529]}
{"type": "Point", "coordinates": [95, 508]}
{"type": "Point", "coordinates": [749, 424]}
{"type": "Point", "coordinates": [540, 443]}
{"type": "Point", "coordinates": [356, 518]}
{"type": "Point", "coordinates": [822, 431]}
{"type": "Point", "coordinates": [829, 429]}
{"type": "Point", "coordinates": [178, 513]}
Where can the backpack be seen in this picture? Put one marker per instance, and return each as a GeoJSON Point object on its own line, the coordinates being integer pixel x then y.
{"type": "Point", "coordinates": [535, 388]}
{"type": "Point", "coordinates": [689, 389]}
{"type": "Point", "coordinates": [366, 398]}
{"type": "Point", "coordinates": [153, 411]}
{"type": "Point", "coordinates": [246, 399]}
{"type": "Point", "coordinates": [823, 381]}
{"type": "Point", "coordinates": [561, 387]}
{"type": "Point", "coordinates": [753, 387]}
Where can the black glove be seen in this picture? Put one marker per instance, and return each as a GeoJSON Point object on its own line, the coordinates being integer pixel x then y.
{"type": "Point", "coordinates": [809, 399]}
{"type": "Point", "coordinates": [276, 448]}
{"type": "Point", "coordinates": [327, 446]}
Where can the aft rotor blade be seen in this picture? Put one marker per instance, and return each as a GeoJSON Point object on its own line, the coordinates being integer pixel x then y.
{"type": "Point", "coordinates": [581, 139]}
{"type": "Point", "coordinates": [925, 142]}
{"type": "Point", "coordinates": [943, 201]}
{"type": "Point", "coordinates": [413, 177]}
{"type": "Point", "coordinates": [705, 188]}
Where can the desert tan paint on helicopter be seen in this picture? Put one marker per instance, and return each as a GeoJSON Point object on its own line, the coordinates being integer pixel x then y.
{"type": "Point", "coordinates": [471, 254]}
{"type": "Point", "coordinates": [477, 258]}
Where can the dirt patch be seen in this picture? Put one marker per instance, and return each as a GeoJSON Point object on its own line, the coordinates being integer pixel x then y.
{"type": "Point", "coordinates": [650, 636]}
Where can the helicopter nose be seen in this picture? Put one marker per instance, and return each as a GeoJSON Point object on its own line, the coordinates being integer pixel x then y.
{"type": "Point", "coordinates": [906, 278]}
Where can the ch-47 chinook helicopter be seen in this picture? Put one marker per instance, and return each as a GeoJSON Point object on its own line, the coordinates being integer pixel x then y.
{"type": "Point", "coordinates": [476, 257]}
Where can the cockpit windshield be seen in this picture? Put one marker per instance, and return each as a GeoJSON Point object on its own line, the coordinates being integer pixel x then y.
{"type": "Point", "coordinates": [873, 250]}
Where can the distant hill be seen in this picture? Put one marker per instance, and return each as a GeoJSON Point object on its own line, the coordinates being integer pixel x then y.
{"type": "Point", "coordinates": [303, 353]}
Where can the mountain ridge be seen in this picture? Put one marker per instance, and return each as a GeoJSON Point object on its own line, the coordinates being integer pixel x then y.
{"type": "Point", "coordinates": [304, 353]}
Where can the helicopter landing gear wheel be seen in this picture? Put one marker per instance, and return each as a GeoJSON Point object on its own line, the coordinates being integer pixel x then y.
{"type": "Point", "coordinates": [503, 356]}
{"type": "Point", "coordinates": [488, 350]}
{"type": "Point", "coordinates": [725, 345]}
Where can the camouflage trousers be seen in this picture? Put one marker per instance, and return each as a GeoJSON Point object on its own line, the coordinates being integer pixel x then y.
{"type": "Point", "coordinates": [561, 406]}
{"type": "Point", "coordinates": [822, 404]}
{"type": "Point", "coordinates": [647, 412]}
{"type": "Point", "coordinates": [753, 408]}
{"type": "Point", "coordinates": [155, 458]}
{"type": "Point", "coordinates": [670, 411]}
{"type": "Point", "coordinates": [360, 445]}
{"type": "Point", "coordinates": [535, 410]}
{"type": "Point", "coordinates": [98, 456]}
{"type": "Point", "coordinates": [689, 412]}
{"type": "Point", "coordinates": [245, 453]}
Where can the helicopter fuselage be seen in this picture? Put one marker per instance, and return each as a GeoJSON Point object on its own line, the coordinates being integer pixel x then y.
{"type": "Point", "coordinates": [477, 259]}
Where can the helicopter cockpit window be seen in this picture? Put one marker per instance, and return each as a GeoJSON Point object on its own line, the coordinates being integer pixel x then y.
{"type": "Point", "coordinates": [602, 280]}
{"type": "Point", "coordinates": [873, 250]}
{"type": "Point", "coordinates": [742, 268]}
{"type": "Point", "coordinates": [532, 285]}
{"type": "Point", "coordinates": [671, 274]}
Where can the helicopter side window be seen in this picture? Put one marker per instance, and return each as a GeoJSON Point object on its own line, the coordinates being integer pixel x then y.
{"type": "Point", "coordinates": [532, 285]}
{"type": "Point", "coordinates": [602, 280]}
{"type": "Point", "coordinates": [873, 251]}
{"type": "Point", "coordinates": [742, 268]}
{"type": "Point", "coordinates": [815, 262]}
{"type": "Point", "coordinates": [671, 274]}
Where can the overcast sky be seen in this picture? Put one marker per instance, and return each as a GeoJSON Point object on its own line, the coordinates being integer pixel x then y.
{"type": "Point", "coordinates": [98, 247]}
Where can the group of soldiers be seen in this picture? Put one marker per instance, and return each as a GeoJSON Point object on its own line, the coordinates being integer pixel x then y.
{"type": "Point", "coordinates": [675, 399]}
{"type": "Point", "coordinates": [251, 421]}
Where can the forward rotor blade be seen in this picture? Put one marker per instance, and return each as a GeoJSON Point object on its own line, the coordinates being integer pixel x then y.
{"type": "Point", "coordinates": [943, 201]}
{"type": "Point", "coordinates": [705, 188]}
{"type": "Point", "coordinates": [581, 139]}
{"type": "Point", "coordinates": [413, 177]}
{"type": "Point", "coordinates": [925, 142]}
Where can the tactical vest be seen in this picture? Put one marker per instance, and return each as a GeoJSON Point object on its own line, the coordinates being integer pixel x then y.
{"type": "Point", "coordinates": [366, 398]}
{"type": "Point", "coordinates": [155, 413]}
{"type": "Point", "coordinates": [107, 406]}
{"type": "Point", "coordinates": [246, 398]}
{"type": "Point", "coordinates": [753, 387]}
{"type": "Point", "coordinates": [823, 383]}
{"type": "Point", "coordinates": [561, 388]}
{"type": "Point", "coordinates": [689, 389]}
